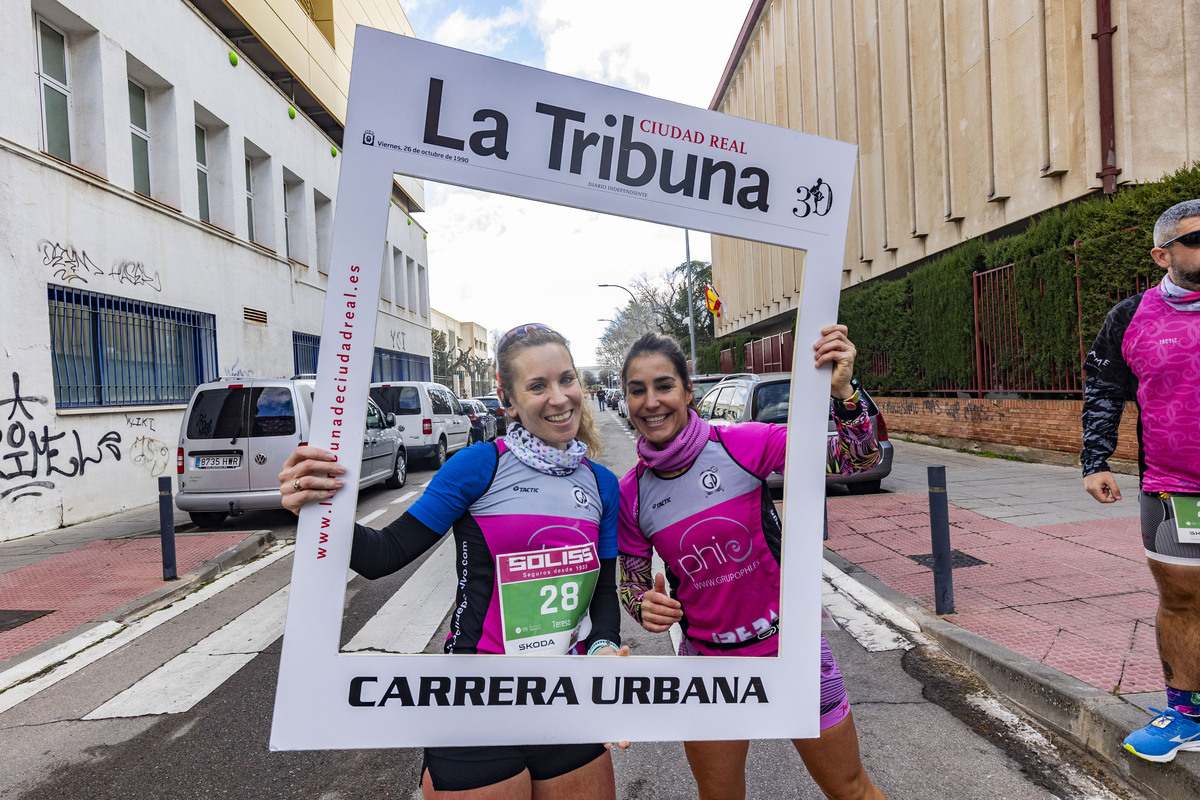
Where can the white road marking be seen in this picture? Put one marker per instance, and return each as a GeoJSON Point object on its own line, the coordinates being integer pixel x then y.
{"type": "Point", "coordinates": [191, 676]}
{"type": "Point", "coordinates": [403, 497]}
{"type": "Point", "coordinates": [72, 656]}
{"type": "Point", "coordinates": [862, 613]}
{"type": "Point", "coordinates": [407, 621]}
{"type": "Point", "coordinates": [373, 515]}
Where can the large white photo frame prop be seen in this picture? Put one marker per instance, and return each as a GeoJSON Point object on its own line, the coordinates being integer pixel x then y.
{"type": "Point", "coordinates": [445, 115]}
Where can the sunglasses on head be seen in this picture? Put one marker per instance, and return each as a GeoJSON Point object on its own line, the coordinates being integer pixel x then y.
{"type": "Point", "coordinates": [1189, 239]}
{"type": "Point", "coordinates": [520, 332]}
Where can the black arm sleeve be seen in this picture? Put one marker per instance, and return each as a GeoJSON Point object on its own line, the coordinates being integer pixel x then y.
{"type": "Point", "coordinates": [1109, 383]}
{"type": "Point", "coordinates": [604, 609]}
{"type": "Point", "coordinates": [376, 553]}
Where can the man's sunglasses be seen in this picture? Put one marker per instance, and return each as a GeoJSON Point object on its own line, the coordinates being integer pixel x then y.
{"type": "Point", "coordinates": [520, 332]}
{"type": "Point", "coordinates": [1189, 239]}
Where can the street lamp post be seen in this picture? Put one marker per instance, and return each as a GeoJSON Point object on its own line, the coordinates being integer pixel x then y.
{"type": "Point", "coordinates": [687, 249]}
{"type": "Point", "coordinates": [636, 306]}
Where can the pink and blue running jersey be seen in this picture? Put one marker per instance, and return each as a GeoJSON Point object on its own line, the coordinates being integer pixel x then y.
{"type": "Point", "coordinates": [497, 506]}
{"type": "Point", "coordinates": [1150, 350]}
{"type": "Point", "coordinates": [716, 529]}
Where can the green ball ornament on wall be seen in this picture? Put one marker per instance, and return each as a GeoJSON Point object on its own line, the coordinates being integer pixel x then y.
{"type": "Point", "coordinates": [291, 113]}
{"type": "Point", "coordinates": [233, 59]}
{"type": "Point", "coordinates": [333, 151]}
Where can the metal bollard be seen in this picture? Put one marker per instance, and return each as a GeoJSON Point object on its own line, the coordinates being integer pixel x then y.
{"type": "Point", "coordinates": [166, 528]}
{"type": "Point", "coordinates": [939, 528]}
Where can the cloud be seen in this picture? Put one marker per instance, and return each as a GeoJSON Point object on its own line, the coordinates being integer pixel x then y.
{"type": "Point", "coordinates": [479, 34]}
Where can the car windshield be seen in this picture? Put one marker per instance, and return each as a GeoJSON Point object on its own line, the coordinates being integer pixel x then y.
{"type": "Point", "coordinates": [771, 402]}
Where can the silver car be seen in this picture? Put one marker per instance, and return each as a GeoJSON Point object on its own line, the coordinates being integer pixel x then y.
{"type": "Point", "coordinates": [236, 434]}
{"type": "Point", "coordinates": [765, 398]}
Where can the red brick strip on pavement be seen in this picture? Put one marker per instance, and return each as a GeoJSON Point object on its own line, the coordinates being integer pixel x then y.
{"type": "Point", "coordinates": [1076, 596]}
{"type": "Point", "coordinates": [92, 580]}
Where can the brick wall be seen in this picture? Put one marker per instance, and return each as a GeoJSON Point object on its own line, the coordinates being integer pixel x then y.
{"type": "Point", "coordinates": [1041, 424]}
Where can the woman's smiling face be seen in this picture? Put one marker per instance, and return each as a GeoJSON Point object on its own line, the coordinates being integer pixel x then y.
{"type": "Point", "coordinates": [657, 397]}
{"type": "Point", "coordinates": [546, 396]}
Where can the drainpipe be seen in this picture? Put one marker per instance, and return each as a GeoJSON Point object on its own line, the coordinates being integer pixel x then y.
{"type": "Point", "coordinates": [1104, 67]}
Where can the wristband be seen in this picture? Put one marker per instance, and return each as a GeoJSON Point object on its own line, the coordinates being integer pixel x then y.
{"type": "Point", "coordinates": [850, 403]}
{"type": "Point", "coordinates": [600, 644]}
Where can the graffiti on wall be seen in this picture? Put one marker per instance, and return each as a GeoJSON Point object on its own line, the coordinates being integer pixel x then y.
{"type": "Point", "coordinates": [150, 453]}
{"type": "Point", "coordinates": [140, 422]}
{"type": "Point", "coordinates": [238, 372]}
{"type": "Point", "coordinates": [32, 459]}
{"type": "Point", "coordinates": [72, 265]}
{"type": "Point", "coordinates": [397, 339]}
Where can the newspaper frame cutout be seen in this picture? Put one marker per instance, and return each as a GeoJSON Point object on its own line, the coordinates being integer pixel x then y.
{"type": "Point", "coordinates": [441, 114]}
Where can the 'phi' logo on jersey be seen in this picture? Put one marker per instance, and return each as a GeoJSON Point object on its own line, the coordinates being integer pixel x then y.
{"type": "Point", "coordinates": [710, 481]}
{"type": "Point", "coordinates": [581, 498]}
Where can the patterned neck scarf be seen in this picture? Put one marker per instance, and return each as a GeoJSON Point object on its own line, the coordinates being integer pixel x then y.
{"type": "Point", "coordinates": [1181, 299]}
{"type": "Point", "coordinates": [681, 451]}
{"type": "Point", "coordinates": [535, 453]}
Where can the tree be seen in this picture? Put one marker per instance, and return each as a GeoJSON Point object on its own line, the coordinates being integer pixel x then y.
{"type": "Point", "coordinates": [589, 378]}
{"type": "Point", "coordinates": [663, 302]}
{"type": "Point", "coordinates": [441, 358]}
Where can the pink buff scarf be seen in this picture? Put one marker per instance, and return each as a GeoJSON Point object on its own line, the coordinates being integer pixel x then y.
{"type": "Point", "coordinates": [1181, 299]}
{"type": "Point", "coordinates": [681, 451]}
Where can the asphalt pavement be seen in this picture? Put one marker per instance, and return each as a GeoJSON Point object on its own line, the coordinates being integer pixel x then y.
{"type": "Point", "coordinates": [1053, 603]}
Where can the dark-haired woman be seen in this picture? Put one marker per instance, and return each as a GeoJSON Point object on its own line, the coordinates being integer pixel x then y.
{"type": "Point", "coordinates": [571, 505]}
{"type": "Point", "coordinates": [725, 608]}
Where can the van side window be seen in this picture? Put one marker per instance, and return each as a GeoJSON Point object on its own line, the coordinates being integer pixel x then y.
{"type": "Point", "coordinates": [440, 401]}
{"type": "Point", "coordinates": [706, 407]}
{"type": "Point", "coordinates": [373, 420]}
{"type": "Point", "coordinates": [273, 412]}
{"type": "Point", "coordinates": [218, 414]}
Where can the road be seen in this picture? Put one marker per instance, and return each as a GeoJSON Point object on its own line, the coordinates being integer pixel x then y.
{"type": "Point", "coordinates": [180, 707]}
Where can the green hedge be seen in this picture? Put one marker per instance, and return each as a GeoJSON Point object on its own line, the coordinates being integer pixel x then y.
{"type": "Point", "coordinates": [916, 333]}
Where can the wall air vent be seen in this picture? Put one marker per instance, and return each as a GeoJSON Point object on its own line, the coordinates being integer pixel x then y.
{"type": "Point", "coordinates": [254, 315]}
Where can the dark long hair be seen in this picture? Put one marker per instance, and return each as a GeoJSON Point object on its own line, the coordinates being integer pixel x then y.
{"type": "Point", "coordinates": [655, 343]}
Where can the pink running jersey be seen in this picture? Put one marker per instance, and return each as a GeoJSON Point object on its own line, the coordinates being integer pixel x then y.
{"type": "Point", "coordinates": [716, 529]}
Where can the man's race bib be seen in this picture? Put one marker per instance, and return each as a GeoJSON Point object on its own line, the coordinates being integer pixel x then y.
{"type": "Point", "coordinates": [544, 597]}
{"type": "Point", "coordinates": [1187, 519]}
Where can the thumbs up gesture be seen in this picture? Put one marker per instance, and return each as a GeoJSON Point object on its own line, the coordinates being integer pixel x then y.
{"type": "Point", "coordinates": [659, 610]}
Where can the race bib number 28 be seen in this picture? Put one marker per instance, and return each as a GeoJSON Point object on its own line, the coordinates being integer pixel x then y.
{"type": "Point", "coordinates": [544, 597]}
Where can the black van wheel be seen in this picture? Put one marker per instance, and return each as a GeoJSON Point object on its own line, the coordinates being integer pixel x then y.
{"type": "Point", "coordinates": [439, 455]}
{"type": "Point", "coordinates": [208, 519]}
{"type": "Point", "coordinates": [399, 472]}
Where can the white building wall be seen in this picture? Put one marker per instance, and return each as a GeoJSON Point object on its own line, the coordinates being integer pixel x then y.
{"type": "Point", "coordinates": [81, 225]}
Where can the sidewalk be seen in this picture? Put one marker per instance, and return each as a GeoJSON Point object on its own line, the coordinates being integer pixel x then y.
{"type": "Point", "coordinates": [1054, 604]}
{"type": "Point", "coordinates": [58, 584]}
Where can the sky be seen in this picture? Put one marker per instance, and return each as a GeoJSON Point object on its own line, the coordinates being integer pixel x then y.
{"type": "Point", "coordinates": [502, 261]}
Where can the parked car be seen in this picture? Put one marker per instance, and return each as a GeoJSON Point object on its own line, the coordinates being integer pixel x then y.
{"type": "Point", "coordinates": [236, 434]}
{"type": "Point", "coordinates": [493, 404]}
{"type": "Point", "coordinates": [702, 383]}
{"type": "Point", "coordinates": [483, 422]}
{"type": "Point", "coordinates": [765, 398]}
{"type": "Point", "coordinates": [435, 425]}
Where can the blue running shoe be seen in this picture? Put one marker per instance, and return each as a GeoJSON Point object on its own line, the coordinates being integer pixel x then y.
{"type": "Point", "coordinates": [1166, 735]}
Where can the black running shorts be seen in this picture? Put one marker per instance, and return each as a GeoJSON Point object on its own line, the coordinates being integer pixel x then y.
{"type": "Point", "coordinates": [456, 769]}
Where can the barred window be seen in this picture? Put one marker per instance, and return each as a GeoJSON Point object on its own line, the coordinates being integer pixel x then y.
{"type": "Point", "coordinates": [305, 349]}
{"type": "Point", "coordinates": [111, 351]}
{"type": "Point", "coordinates": [391, 365]}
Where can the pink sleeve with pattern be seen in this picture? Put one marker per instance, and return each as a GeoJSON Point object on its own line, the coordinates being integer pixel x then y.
{"type": "Point", "coordinates": [757, 446]}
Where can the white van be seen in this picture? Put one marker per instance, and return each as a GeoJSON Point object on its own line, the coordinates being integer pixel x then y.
{"type": "Point", "coordinates": [435, 424]}
{"type": "Point", "coordinates": [236, 434]}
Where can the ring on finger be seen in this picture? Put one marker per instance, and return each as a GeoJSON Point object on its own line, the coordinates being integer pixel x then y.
{"type": "Point", "coordinates": [296, 485]}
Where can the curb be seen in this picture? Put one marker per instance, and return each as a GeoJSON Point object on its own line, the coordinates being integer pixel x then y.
{"type": "Point", "coordinates": [246, 550]}
{"type": "Point", "coordinates": [240, 553]}
{"type": "Point", "coordinates": [1093, 720]}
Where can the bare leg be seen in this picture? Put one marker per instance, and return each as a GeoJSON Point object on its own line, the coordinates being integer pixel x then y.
{"type": "Point", "coordinates": [833, 762]}
{"type": "Point", "coordinates": [1178, 623]}
{"type": "Point", "coordinates": [592, 781]}
{"type": "Point", "coordinates": [515, 788]}
{"type": "Point", "coordinates": [719, 769]}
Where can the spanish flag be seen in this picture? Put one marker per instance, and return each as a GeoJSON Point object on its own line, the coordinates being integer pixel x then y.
{"type": "Point", "coordinates": [713, 300]}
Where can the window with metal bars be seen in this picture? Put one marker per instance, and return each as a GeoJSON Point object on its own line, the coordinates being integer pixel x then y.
{"type": "Point", "coordinates": [112, 351]}
{"type": "Point", "coordinates": [305, 349]}
{"type": "Point", "coordinates": [391, 365]}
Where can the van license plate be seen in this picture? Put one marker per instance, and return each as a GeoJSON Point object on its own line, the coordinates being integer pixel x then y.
{"type": "Point", "coordinates": [218, 462]}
